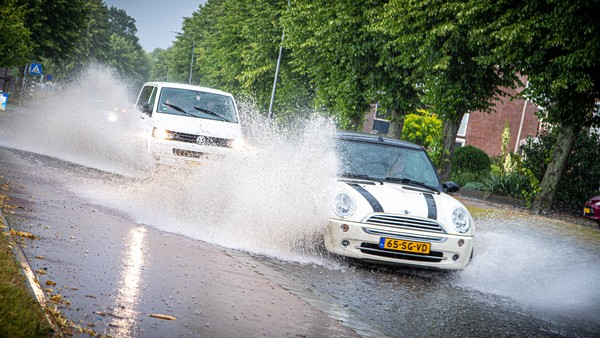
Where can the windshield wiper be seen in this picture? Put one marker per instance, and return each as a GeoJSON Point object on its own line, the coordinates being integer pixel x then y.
{"type": "Point", "coordinates": [359, 176]}
{"type": "Point", "coordinates": [179, 109]}
{"type": "Point", "coordinates": [408, 181]}
{"type": "Point", "coordinates": [211, 113]}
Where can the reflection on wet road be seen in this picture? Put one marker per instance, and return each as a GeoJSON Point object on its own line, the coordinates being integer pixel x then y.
{"type": "Point", "coordinates": [130, 284]}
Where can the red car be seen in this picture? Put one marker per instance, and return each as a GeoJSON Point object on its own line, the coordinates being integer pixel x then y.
{"type": "Point", "coordinates": [591, 209]}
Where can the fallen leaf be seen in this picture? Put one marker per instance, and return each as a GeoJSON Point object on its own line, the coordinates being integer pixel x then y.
{"type": "Point", "coordinates": [160, 316]}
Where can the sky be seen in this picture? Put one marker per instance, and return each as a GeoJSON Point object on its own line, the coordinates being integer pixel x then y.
{"type": "Point", "coordinates": [155, 19]}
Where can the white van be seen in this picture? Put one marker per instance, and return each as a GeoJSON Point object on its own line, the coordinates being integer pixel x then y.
{"type": "Point", "coordinates": [185, 122]}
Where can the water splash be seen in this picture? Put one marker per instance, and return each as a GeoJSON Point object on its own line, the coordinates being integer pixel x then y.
{"type": "Point", "coordinates": [537, 263]}
{"type": "Point", "coordinates": [75, 122]}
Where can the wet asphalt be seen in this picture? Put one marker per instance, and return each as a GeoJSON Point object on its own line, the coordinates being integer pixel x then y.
{"type": "Point", "coordinates": [107, 273]}
{"type": "Point", "coordinates": [118, 278]}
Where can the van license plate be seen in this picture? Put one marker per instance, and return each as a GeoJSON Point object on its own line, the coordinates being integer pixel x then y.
{"type": "Point", "coordinates": [408, 246]}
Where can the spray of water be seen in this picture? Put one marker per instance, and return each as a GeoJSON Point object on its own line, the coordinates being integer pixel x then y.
{"type": "Point", "coordinates": [534, 262]}
{"type": "Point", "coordinates": [272, 198]}
{"type": "Point", "coordinates": [81, 122]}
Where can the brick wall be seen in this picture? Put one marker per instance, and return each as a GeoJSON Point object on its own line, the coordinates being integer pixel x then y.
{"type": "Point", "coordinates": [484, 130]}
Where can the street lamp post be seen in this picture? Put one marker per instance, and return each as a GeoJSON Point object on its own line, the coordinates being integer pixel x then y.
{"type": "Point", "coordinates": [192, 59]}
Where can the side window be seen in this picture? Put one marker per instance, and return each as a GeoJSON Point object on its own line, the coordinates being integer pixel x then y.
{"type": "Point", "coordinates": [146, 100]}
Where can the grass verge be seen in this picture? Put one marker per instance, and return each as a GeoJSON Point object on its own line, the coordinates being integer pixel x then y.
{"type": "Point", "coordinates": [20, 313]}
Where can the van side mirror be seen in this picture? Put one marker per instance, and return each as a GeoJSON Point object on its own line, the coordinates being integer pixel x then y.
{"type": "Point", "coordinates": [450, 187]}
{"type": "Point", "coordinates": [146, 109]}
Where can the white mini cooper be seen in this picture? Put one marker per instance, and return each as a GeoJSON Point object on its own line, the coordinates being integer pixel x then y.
{"type": "Point", "coordinates": [391, 207]}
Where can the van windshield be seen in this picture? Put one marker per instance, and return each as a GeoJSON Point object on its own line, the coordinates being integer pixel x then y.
{"type": "Point", "coordinates": [186, 102]}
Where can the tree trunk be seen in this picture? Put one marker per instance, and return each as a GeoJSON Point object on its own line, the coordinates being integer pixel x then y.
{"type": "Point", "coordinates": [396, 123]}
{"type": "Point", "coordinates": [560, 156]}
{"type": "Point", "coordinates": [450, 131]}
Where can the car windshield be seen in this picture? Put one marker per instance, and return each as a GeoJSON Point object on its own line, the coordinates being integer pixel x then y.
{"type": "Point", "coordinates": [199, 104]}
{"type": "Point", "coordinates": [385, 162]}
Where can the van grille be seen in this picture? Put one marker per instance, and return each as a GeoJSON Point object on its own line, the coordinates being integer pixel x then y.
{"type": "Point", "coordinates": [200, 139]}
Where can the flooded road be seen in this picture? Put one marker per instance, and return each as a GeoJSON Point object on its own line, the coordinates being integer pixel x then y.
{"type": "Point", "coordinates": [112, 273]}
{"type": "Point", "coordinates": [235, 248]}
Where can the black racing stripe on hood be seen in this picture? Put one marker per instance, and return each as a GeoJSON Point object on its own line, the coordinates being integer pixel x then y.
{"type": "Point", "coordinates": [431, 207]}
{"type": "Point", "coordinates": [367, 195]}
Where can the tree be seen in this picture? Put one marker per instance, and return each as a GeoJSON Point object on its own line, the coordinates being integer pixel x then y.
{"type": "Point", "coordinates": [55, 26]}
{"type": "Point", "coordinates": [557, 45]}
{"type": "Point", "coordinates": [435, 41]}
{"type": "Point", "coordinates": [128, 60]}
{"type": "Point", "coordinates": [159, 70]}
{"type": "Point", "coordinates": [236, 49]}
{"type": "Point", "coordinates": [15, 40]}
{"type": "Point", "coordinates": [122, 25]}
{"type": "Point", "coordinates": [331, 45]}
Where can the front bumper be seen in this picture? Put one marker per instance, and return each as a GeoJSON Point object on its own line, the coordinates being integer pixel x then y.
{"type": "Point", "coordinates": [361, 240]}
{"type": "Point", "coordinates": [173, 152]}
{"type": "Point", "coordinates": [591, 213]}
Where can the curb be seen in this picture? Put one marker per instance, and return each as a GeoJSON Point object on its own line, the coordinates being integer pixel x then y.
{"type": "Point", "coordinates": [28, 271]}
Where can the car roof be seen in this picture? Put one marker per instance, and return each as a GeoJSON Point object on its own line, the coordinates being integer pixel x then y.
{"type": "Point", "coordinates": [372, 138]}
{"type": "Point", "coordinates": [187, 86]}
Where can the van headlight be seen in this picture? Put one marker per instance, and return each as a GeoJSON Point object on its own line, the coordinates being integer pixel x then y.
{"type": "Point", "coordinates": [343, 205]}
{"type": "Point", "coordinates": [161, 133]}
{"type": "Point", "coordinates": [461, 220]}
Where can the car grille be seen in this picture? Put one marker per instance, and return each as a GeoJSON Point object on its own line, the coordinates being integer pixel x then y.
{"type": "Point", "coordinates": [406, 222]}
{"type": "Point", "coordinates": [373, 249]}
{"type": "Point", "coordinates": [200, 139]}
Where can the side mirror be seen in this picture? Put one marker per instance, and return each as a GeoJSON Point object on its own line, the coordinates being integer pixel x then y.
{"type": "Point", "coordinates": [450, 187]}
{"type": "Point", "coordinates": [146, 109]}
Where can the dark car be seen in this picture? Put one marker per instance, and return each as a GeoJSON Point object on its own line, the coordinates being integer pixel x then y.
{"type": "Point", "coordinates": [591, 209]}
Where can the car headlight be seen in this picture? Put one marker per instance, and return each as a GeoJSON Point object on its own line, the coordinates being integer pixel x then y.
{"type": "Point", "coordinates": [460, 220]}
{"type": "Point", "coordinates": [343, 205]}
{"type": "Point", "coordinates": [161, 133]}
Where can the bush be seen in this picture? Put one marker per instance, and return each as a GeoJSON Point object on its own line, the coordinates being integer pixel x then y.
{"type": "Point", "coordinates": [515, 185]}
{"type": "Point", "coordinates": [462, 178]}
{"type": "Point", "coordinates": [470, 159]}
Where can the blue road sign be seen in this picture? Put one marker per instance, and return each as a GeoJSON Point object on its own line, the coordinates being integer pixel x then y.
{"type": "Point", "coordinates": [35, 69]}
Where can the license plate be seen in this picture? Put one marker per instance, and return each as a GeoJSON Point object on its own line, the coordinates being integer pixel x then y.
{"type": "Point", "coordinates": [587, 210]}
{"type": "Point", "coordinates": [401, 245]}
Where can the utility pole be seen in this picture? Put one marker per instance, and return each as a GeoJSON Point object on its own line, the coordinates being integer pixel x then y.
{"type": "Point", "coordinates": [276, 74]}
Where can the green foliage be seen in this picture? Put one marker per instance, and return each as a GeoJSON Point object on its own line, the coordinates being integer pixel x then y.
{"type": "Point", "coordinates": [55, 26]}
{"type": "Point", "coordinates": [470, 165]}
{"type": "Point", "coordinates": [422, 128]}
{"type": "Point", "coordinates": [15, 37]}
{"type": "Point", "coordinates": [330, 45]}
{"type": "Point", "coordinates": [108, 38]}
{"type": "Point", "coordinates": [515, 185]}
{"type": "Point", "coordinates": [471, 159]}
{"type": "Point", "coordinates": [464, 178]}
{"type": "Point", "coordinates": [158, 65]}
{"type": "Point", "coordinates": [438, 42]}
{"type": "Point", "coordinates": [20, 313]}
{"type": "Point", "coordinates": [582, 175]}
